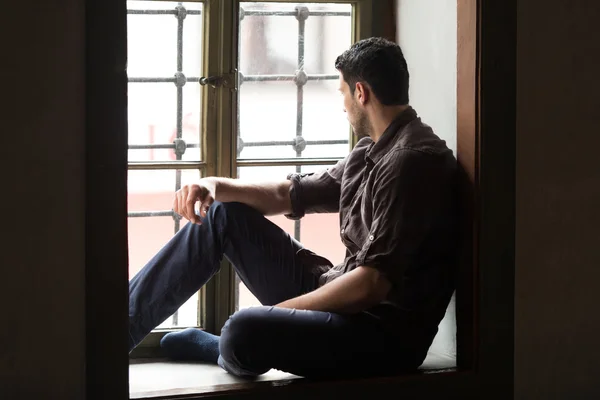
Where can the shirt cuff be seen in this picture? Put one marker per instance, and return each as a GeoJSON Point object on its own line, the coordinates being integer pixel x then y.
{"type": "Point", "coordinates": [298, 211]}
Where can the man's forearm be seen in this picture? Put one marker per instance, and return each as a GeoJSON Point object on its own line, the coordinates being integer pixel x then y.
{"type": "Point", "coordinates": [352, 292]}
{"type": "Point", "coordinates": [269, 198]}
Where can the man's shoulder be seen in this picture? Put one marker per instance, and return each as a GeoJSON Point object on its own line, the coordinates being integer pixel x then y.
{"type": "Point", "coordinates": [357, 155]}
{"type": "Point", "coordinates": [419, 156]}
{"type": "Point", "coordinates": [363, 144]}
{"type": "Point", "coordinates": [420, 137]}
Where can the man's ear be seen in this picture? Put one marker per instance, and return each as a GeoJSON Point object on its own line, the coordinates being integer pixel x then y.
{"type": "Point", "coordinates": [362, 93]}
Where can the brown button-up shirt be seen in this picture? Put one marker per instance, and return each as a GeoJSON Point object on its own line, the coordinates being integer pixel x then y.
{"type": "Point", "coordinates": [397, 204]}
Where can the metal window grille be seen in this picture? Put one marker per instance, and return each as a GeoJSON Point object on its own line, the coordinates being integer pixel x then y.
{"type": "Point", "coordinates": [179, 146]}
{"type": "Point", "coordinates": [300, 78]}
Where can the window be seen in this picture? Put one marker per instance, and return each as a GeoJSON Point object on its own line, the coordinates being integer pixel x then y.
{"type": "Point", "coordinates": [254, 99]}
{"type": "Point", "coordinates": [165, 52]}
{"type": "Point", "coordinates": [288, 106]}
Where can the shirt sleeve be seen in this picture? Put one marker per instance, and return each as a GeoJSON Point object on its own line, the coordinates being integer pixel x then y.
{"type": "Point", "coordinates": [409, 193]}
{"type": "Point", "coordinates": [317, 192]}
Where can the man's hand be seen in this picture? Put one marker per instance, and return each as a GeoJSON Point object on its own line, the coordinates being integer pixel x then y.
{"type": "Point", "coordinates": [186, 198]}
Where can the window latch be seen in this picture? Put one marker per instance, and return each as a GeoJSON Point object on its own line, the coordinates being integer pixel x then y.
{"type": "Point", "coordinates": [226, 81]}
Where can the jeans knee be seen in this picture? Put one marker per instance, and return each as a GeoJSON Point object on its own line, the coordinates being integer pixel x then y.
{"type": "Point", "coordinates": [216, 220]}
{"type": "Point", "coordinates": [239, 331]}
{"type": "Point", "coordinates": [220, 214]}
{"type": "Point", "coordinates": [239, 344]}
{"type": "Point", "coordinates": [218, 208]}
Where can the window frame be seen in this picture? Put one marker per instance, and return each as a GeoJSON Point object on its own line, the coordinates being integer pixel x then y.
{"type": "Point", "coordinates": [148, 348]}
{"type": "Point", "coordinates": [487, 99]}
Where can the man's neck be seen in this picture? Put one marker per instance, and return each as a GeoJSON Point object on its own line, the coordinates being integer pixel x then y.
{"type": "Point", "coordinates": [382, 117]}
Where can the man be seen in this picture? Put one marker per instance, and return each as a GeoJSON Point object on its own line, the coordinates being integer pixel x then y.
{"type": "Point", "coordinates": [378, 312]}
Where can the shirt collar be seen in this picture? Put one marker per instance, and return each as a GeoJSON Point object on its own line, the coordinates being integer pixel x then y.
{"type": "Point", "coordinates": [389, 137]}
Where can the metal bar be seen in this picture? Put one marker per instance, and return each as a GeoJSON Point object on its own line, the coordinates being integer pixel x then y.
{"type": "Point", "coordinates": [248, 13]}
{"type": "Point", "coordinates": [265, 78]}
{"type": "Point", "coordinates": [276, 162]}
{"type": "Point", "coordinates": [291, 143]}
{"type": "Point", "coordinates": [180, 15]}
{"type": "Point", "coordinates": [162, 146]}
{"type": "Point", "coordinates": [194, 79]}
{"type": "Point", "coordinates": [322, 77]}
{"type": "Point", "coordinates": [245, 78]}
{"type": "Point", "coordinates": [180, 165]}
{"type": "Point", "coordinates": [162, 12]}
{"type": "Point", "coordinates": [299, 95]}
{"type": "Point", "coordinates": [144, 214]}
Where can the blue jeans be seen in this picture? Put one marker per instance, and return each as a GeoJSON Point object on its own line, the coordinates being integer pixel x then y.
{"type": "Point", "coordinates": [275, 267]}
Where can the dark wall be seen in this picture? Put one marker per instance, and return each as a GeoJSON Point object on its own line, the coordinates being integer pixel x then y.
{"type": "Point", "coordinates": [42, 168]}
{"type": "Point", "coordinates": [557, 322]}
{"type": "Point", "coordinates": [557, 325]}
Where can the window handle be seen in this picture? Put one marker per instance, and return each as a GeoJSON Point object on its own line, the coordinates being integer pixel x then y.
{"type": "Point", "coordinates": [226, 80]}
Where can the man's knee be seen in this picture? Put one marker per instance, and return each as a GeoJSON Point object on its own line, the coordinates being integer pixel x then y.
{"type": "Point", "coordinates": [242, 330]}
{"type": "Point", "coordinates": [220, 214]}
{"type": "Point", "coordinates": [232, 208]}
{"type": "Point", "coordinates": [240, 343]}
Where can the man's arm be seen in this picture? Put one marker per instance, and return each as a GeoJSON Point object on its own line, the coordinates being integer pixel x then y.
{"type": "Point", "coordinates": [269, 198]}
{"type": "Point", "coordinates": [352, 292]}
{"type": "Point", "coordinates": [300, 193]}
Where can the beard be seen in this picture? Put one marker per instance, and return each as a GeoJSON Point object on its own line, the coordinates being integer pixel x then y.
{"type": "Point", "coordinates": [360, 123]}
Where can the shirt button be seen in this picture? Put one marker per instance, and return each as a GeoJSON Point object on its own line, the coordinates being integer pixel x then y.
{"type": "Point", "coordinates": [371, 237]}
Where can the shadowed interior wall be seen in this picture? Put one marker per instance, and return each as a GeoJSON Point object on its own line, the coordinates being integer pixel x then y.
{"type": "Point", "coordinates": [42, 339]}
{"type": "Point", "coordinates": [557, 323]}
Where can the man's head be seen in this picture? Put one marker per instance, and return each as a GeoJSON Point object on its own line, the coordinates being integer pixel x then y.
{"type": "Point", "coordinates": [373, 73]}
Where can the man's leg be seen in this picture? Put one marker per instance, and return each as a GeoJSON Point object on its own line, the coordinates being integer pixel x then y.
{"type": "Point", "coordinates": [313, 344]}
{"type": "Point", "coordinates": [266, 258]}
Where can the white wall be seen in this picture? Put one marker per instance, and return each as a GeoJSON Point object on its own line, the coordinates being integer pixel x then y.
{"type": "Point", "coordinates": [426, 31]}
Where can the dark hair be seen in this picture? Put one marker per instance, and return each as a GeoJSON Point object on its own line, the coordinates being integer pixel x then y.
{"type": "Point", "coordinates": [379, 63]}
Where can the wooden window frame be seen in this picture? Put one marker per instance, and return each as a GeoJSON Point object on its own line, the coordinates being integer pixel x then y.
{"type": "Point", "coordinates": [486, 152]}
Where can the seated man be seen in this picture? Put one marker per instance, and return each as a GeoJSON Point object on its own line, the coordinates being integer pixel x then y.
{"type": "Point", "coordinates": [377, 312]}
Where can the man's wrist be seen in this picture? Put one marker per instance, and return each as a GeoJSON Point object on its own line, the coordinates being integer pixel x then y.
{"type": "Point", "coordinates": [212, 184]}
